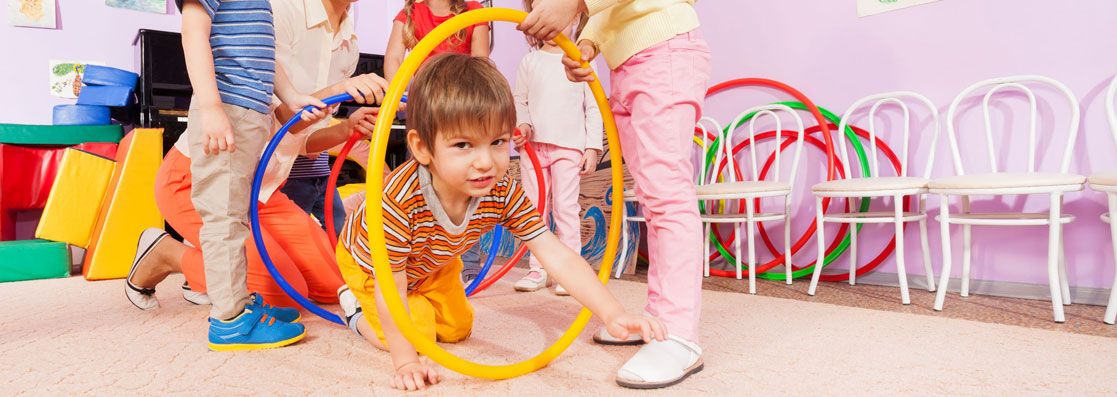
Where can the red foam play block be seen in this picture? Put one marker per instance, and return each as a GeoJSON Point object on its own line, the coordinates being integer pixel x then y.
{"type": "Point", "coordinates": [26, 175]}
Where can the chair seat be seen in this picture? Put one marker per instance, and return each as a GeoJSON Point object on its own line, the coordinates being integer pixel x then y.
{"type": "Point", "coordinates": [629, 193]}
{"type": "Point", "coordinates": [872, 217]}
{"type": "Point", "coordinates": [883, 183]}
{"type": "Point", "coordinates": [741, 217]}
{"type": "Point", "coordinates": [1104, 182]}
{"type": "Point", "coordinates": [1006, 180]}
{"type": "Point", "coordinates": [746, 187]}
{"type": "Point", "coordinates": [1005, 219]}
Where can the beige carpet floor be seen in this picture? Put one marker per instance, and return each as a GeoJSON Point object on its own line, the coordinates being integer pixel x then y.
{"type": "Point", "coordinates": [72, 337]}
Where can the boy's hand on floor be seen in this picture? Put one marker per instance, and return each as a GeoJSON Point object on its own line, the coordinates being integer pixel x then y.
{"type": "Point", "coordinates": [217, 133]}
{"type": "Point", "coordinates": [574, 70]}
{"type": "Point", "coordinates": [648, 327]}
{"type": "Point", "coordinates": [415, 376]}
{"type": "Point", "coordinates": [589, 161]}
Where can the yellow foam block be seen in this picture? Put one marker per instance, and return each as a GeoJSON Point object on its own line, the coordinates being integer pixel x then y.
{"type": "Point", "coordinates": [350, 189]}
{"type": "Point", "coordinates": [128, 208]}
{"type": "Point", "coordinates": [75, 198]}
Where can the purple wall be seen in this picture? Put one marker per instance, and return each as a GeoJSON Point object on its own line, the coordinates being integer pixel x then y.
{"type": "Point", "coordinates": [822, 48]}
{"type": "Point", "coordinates": [818, 46]}
{"type": "Point", "coordinates": [91, 31]}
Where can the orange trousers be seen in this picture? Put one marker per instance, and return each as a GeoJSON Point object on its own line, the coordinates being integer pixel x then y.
{"type": "Point", "coordinates": [297, 245]}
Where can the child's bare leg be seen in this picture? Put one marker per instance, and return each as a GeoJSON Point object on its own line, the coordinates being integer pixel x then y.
{"type": "Point", "coordinates": [164, 259]}
{"type": "Point", "coordinates": [370, 335]}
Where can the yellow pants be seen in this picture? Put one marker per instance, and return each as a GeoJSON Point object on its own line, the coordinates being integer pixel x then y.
{"type": "Point", "coordinates": [438, 307]}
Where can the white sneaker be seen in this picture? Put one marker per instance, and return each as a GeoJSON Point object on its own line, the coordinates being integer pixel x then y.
{"type": "Point", "coordinates": [534, 280]}
{"type": "Point", "coordinates": [194, 297]}
{"type": "Point", "coordinates": [661, 364]}
{"type": "Point", "coordinates": [602, 337]}
{"type": "Point", "coordinates": [143, 298]}
{"type": "Point", "coordinates": [560, 291]}
{"type": "Point", "coordinates": [350, 308]}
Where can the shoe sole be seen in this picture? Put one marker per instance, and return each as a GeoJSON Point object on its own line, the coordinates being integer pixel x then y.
{"type": "Point", "coordinates": [523, 289]}
{"type": "Point", "coordinates": [233, 347]}
{"type": "Point", "coordinates": [696, 368]}
{"type": "Point", "coordinates": [616, 342]}
{"type": "Point", "coordinates": [545, 285]}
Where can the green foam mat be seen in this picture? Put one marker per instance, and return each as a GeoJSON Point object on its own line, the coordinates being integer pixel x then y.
{"type": "Point", "coordinates": [33, 260]}
{"type": "Point", "coordinates": [25, 134]}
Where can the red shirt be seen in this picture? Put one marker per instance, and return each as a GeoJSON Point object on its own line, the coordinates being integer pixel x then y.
{"type": "Point", "coordinates": [425, 21]}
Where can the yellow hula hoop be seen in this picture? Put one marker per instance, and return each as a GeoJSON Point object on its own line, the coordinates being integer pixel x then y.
{"type": "Point", "coordinates": [374, 212]}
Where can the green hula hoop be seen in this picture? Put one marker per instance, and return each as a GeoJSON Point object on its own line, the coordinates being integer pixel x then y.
{"type": "Point", "coordinates": [844, 245]}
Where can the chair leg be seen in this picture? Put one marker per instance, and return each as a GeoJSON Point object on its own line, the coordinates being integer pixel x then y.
{"type": "Point", "coordinates": [751, 224]}
{"type": "Point", "coordinates": [1111, 309]}
{"type": "Point", "coordinates": [706, 251]}
{"type": "Point", "coordinates": [853, 201]}
{"type": "Point", "coordinates": [1064, 285]}
{"type": "Point", "coordinates": [967, 249]}
{"type": "Point", "coordinates": [787, 243]}
{"type": "Point", "coordinates": [901, 272]}
{"type": "Point", "coordinates": [819, 229]}
{"type": "Point", "coordinates": [853, 254]}
{"type": "Point", "coordinates": [737, 248]}
{"type": "Point", "coordinates": [944, 232]}
{"type": "Point", "coordinates": [1053, 238]}
{"type": "Point", "coordinates": [926, 245]}
{"type": "Point", "coordinates": [624, 246]}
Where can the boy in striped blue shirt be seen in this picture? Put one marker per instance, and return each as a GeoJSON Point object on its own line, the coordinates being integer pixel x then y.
{"type": "Point", "coordinates": [230, 57]}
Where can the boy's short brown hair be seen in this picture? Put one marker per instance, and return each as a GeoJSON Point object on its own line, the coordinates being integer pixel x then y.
{"type": "Point", "coordinates": [459, 94]}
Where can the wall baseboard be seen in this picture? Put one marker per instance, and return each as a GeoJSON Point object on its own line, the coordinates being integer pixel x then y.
{"type": "Point", "coordinates": [1079, 295]}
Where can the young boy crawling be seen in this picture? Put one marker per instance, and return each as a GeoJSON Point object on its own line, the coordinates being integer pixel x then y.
{"type": "Point", "coordinates": [460, 120]}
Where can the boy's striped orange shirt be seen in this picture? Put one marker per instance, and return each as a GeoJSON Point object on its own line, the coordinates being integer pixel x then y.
{"type": "Point", "coordinates": [421, 238]}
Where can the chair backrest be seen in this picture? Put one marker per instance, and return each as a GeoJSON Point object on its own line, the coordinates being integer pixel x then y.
{"type": "Point", "coordinates": [897, 98]}
{"type": "Point", "coordinates": [755, 114]}
{"type": "Point", "coordinates": [704, 165]}
{"type": "Point", "coordinates": [1111, 107]}
{"type": "Point", "coordinates": [1017, 83]}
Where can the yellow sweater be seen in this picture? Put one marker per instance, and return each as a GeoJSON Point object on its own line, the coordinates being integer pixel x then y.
{"type": "Point", "coordinates": [622, 28]}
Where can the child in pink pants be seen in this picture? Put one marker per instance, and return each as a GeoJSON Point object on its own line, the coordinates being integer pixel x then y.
{"type": "Point", "coordinates": [561, 120]}
{"type": "Point", "coordinates": [660, 67]}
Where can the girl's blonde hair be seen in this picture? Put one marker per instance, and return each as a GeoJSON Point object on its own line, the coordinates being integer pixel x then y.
{"type": "Point", "coordinates": [537, 44]}
{"type": "Point", "coordinates": [409, 40]}
{"type": "Point", "coordinates": [459, 95]}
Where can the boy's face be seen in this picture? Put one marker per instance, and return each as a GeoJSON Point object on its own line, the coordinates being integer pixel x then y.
{"type": "Point", "coordinates": [465, 164]}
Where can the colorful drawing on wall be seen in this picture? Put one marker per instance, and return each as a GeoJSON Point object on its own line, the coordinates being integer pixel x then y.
{"type": "Point", "coordinates": [32, 13]}
{"type": "Point", "coordinates": [155, 6]}
{"type": "Point", "coordinates": [873, 7]}
{"type": "Point", "coordinates": [65, 78]}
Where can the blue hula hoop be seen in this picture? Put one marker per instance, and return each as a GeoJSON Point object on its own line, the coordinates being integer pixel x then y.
{"type": "Point", "coordinates": [258, 236]}
{"type": "Point", "coordinates": [498, 234]}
